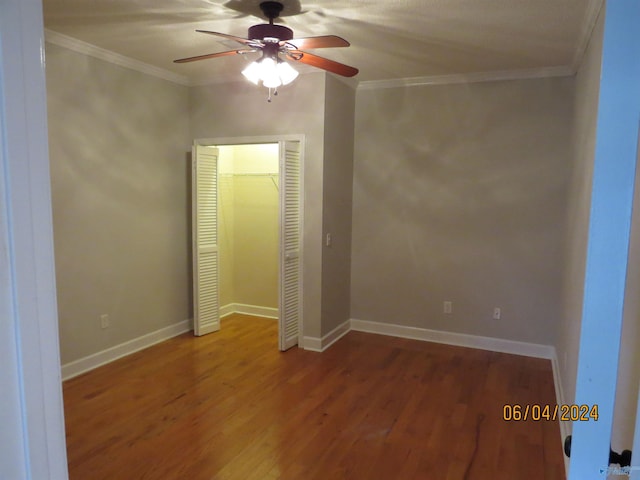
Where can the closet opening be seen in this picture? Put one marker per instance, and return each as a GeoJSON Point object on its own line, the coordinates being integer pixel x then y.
{"type": "Point", "coordinates": [248, 179]}
{"type": "Point", "coordinates": [247, 225]}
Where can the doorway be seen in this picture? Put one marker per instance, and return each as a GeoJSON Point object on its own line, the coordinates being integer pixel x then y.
{"type": "Point", "coordinates": [248, 218]}
{"type": "Point", "coordinates": [265, 175]}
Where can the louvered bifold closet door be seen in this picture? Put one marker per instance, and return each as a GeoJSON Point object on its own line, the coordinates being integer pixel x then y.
{"type": "Point", "coordinates": [206, 311]}
{"type": "Point", "coordinates": [290, 241]}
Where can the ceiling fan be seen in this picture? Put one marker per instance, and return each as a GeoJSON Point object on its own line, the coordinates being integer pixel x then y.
{"type": "Point", "coordinates": [273, 40]}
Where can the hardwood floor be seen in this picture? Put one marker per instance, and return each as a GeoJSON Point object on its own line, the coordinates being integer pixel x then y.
{"type": "Point", "coordinates": [230, 406]}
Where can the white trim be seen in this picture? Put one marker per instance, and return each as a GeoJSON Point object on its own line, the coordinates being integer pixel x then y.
{"type": "Point", "coordinates": [227, 310]}
{"type": "Point", "coordinates": [98, 359]}
{"type": "Point", "coordinates": [476, 77]}
{"type": "Point", "coordinates": [315, 344]}
{"type": "Point", "coordinates": [33, 440]}
{"type": "Point", "coordinates": [248, 140]}
{"type": "Point", "coordinates": [336, 334]}
{"type": "Point", "coordinates": [255, 310]}
{"type": "Point", "coordinates": [85, 48]}
{"type": "Point", "coordinates": [452, 338]}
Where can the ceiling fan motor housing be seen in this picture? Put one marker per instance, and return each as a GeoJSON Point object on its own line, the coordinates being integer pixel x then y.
{"type": "Point", "coordinates": [260, 32]}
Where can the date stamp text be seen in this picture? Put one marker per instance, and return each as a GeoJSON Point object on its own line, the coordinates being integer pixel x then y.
{"type": "Point", "coordinates": [538, 412]}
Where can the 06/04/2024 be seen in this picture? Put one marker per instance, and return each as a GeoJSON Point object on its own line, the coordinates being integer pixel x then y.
{"type": "Point", "coordinates": [537, 412]}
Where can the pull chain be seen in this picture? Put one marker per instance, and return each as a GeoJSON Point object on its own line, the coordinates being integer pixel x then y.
{"type": "Point", "coordinates": [275, 93]}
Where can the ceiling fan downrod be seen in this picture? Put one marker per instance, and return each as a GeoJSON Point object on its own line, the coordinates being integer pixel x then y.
{"type": "Point", "coordinates": [271, 10]}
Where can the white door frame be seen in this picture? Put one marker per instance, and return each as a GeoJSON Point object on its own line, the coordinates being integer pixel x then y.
{"type": "Point", "coordinates": [609, 229]}
{"type": "Point", "coordinates": [261, 139]}
{"type": "Point", "coordinates": [31, 414]}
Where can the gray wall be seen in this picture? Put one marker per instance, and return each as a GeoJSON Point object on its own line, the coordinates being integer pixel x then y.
{"type": "Point", "coordinates": [337, 202]}
{"type": "Point", "coordinates": [119, 185]}
{"type": "Point", "coordinates": [241, 110]}
{"type": "Point", "coordinates": [460, 195]}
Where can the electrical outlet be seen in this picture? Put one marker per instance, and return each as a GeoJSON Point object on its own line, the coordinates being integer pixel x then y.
{"type": "Point", "coordinates": [497, 313]}
{"type": "Point", "coordinates": [328, 240]}
{"type": "Point", "coordinates": [448, 307]}
{"type": "Point", "coordinates": [104, 321]}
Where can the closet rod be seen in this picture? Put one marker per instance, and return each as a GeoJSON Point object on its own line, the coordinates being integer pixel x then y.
{"type": "Point", "coordinates": [249, 174]}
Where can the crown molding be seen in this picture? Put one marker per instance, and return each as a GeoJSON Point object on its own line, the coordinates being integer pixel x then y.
{"type": "Point", "coordinates": [593, 12]}
{"type": "Point", "coordinates": [85, 48]}
{"type": "Point", "coordinates": [477, 77]}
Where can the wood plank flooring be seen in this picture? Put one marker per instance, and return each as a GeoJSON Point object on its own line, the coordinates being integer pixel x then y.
{"type": "Point", "coordinates": [230, 406]}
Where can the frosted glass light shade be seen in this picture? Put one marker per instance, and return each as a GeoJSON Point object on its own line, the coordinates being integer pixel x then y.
{"type": "Point", "coordinates": [286, 72]}
{"type": "Point", "coordinates": [272, 73]}
{"type": "Point", "coordinates": [252, 72]}
{"type": "Point", "coordinates": [269, 74]}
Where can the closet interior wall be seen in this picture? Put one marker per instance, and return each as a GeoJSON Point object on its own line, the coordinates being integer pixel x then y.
{"type": "Point", "coordinates": [248, 228]}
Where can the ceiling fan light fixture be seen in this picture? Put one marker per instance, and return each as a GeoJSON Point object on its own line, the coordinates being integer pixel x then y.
{"type": "Point", "coordinates": [252, 72]}
{"type": "Point", "coordinates": [271, 72]}
{"type": "Point", "coordinates": [273, 39]}
{"type": "Point", "coordinates": [286, 72]}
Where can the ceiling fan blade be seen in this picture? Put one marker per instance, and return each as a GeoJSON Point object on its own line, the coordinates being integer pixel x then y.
{"type": "Point", "coordinates": [323, 63]}
{"type": "Point", "coordinates": [326, 41]}
{"type": "Point", "coordinates": [244, 41]}
{"type": "Point", "coordinates": [213, 55]}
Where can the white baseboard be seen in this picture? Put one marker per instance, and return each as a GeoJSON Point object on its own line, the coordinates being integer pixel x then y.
{"type": "Point", "coordinates": [258, 311]}
{"type": "Point", "coordinates": [313, 344]}
{"type": "Point", "coordinates": [436, 336]}
{"type": "Point", "coordinates": [82, 365]}
{"type": "Point", "coordinates": [321, 344]}
{"type": "Point", "coordinates": [452, 338]}
{"type": "Point", "coordinates": [227, 310]}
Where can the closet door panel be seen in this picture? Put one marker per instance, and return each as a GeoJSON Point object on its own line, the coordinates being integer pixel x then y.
{"type": "Point", "coordinates": [206, 309]}
{"type": "Point", "coordinates": [290, 255]}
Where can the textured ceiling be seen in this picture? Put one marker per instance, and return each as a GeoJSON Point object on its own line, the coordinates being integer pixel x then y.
{"type": "Point", "coordinates": [393, 39]}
